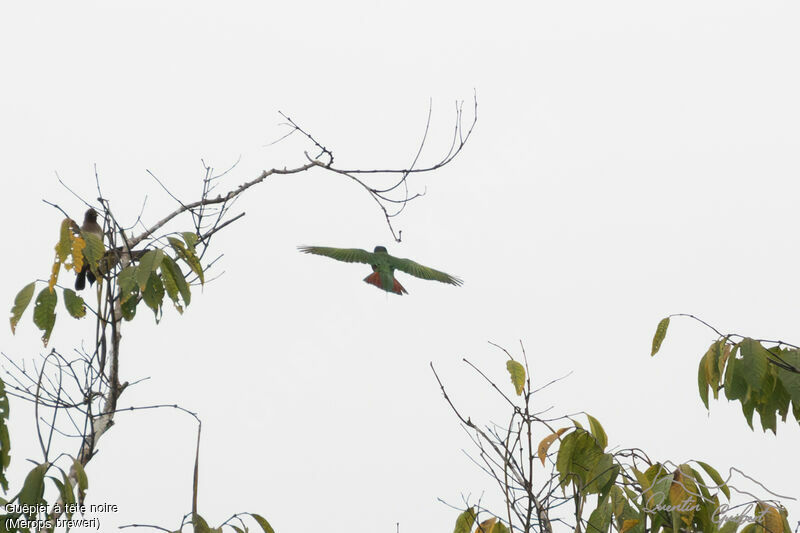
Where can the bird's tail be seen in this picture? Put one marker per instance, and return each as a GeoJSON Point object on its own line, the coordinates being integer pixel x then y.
{"type": "Point", "coordinates": [375, 279]}
{"type": "Point", "coordinates": [83, 275]}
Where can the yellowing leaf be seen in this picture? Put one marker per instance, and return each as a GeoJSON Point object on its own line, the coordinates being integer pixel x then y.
{"type": "Point", "coordinates": [64, 245]}
{"type": "Point", "coordinates": [188, 257]}
{"type": "Point", "coordinates": [487, 526]}
{"type": "Point", "coordinates": [263, 523]}
{"type": "Point", "coordinates": [628, 524]}
{"type": "Point", "coordinates": [54, 274]}
{"type": "Point", "coordinates": [658, 338]}
{"type": "Point", "coordinates": [547, 442]}
{"type": "Point", "coordinates": [517, 372]}
{"type": "Point", "coordinates": [598, 431]}
{"type": "Point", "coordinates": [78, 244]}
{"type": "Point", "coordinates": [21, 302]}
{"type": "Point", "coordinates": [200, 524]}
{"type": "Point", "coordinates": [681, 493]}
{"type": "Point", "coordinates": [769, 517]}
{"type": "Point", "coordinates": [464, 521]}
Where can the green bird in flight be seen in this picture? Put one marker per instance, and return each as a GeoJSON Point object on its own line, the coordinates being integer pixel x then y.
{"type": "Point", "coordinates": [383, 266]}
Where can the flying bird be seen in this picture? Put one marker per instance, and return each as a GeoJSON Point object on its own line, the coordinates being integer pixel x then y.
{"type": "Point", "coordinates": [383, 266]}
{"type": "Point", "coordinates": [89, 225]}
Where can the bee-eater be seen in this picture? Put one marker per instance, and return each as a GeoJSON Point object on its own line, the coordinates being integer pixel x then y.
{"type": "Point", "coordinates": [383, 266]}
{"type": "Point", "coordinates": [90, 225]}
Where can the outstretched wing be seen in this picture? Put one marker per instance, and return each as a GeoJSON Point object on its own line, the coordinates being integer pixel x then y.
{"type": "Point", "coordinates": [348, 255]}
{"type": "Point", "coordinates": [421, 271]}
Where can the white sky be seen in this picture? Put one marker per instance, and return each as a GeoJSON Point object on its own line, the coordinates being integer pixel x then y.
{"type": "Point", "coordinates": [631, 160]}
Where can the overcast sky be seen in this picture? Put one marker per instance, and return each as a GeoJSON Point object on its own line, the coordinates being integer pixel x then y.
{"type": "Point", "coordinates": [631, 160]}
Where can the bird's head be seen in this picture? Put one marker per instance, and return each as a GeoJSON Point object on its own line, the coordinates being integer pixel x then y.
{"type": "Point", "coordinates": [380, 250]}
{"type": "Point", "coordinates": [91, 215]}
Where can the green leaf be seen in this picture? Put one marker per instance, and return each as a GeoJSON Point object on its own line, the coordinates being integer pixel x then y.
{"type": "Point", "coordinates": [21, 302]}
{"type": "Point", "coordinates": [190, 238]}
{"type": "Point", "coordinates": [83, 481]}
{"type": "Point", "coordinates": [564, 457]}
{"type": "Point", "coordinates": [129, 307]}
{"type": "Point", "coordinates": [74, 304]}
{"type": "Point", "coordinates": [153, 294]}
{"type": "Point", "coordinates": [701, 484]}
{"type": "Point", "coordinates": [600, 519]}
{"type": "Point", "coordinates": [702, 384]}
{"type": "Point", "coordinates": [32, 492]}
{"type": "Point", "coordinates": [65, 491]}
{"type": "Point", "coordinates": [735, 384]}
{"type": "Point", "coordinates": [149, 262]}
{"type": "Point", "coordinates": [791, 380]}
{"type": "Point", "coordinates": [712, 359]}
{"type": "Point", "coordinates": [44, 315]}
{"type": "Point", "coordinates": [500, 527]}
{"type": "Point", "coordinates": [729, 526]}
{"type": "Point", "coordinates": [464, 521]}
{"type": "Point", "coordinates": [716, 478]}
{"type": "Point", "coordinates": [517, 372]}
{"type": "Point", "coordinates": [751, 528]}
{"type": "Point", "coordinates": [660, 491]}
{"type": "Point", "coordinates": [170, 285]}
{"type": "Point", "coordinates": [180, 280]}
{"type": "Point", "coordinates": [200, 525]}
{"type": "Point", "coordinates": [94, 251]}
{"type": "Point", "coordinates": [748, 407]}
{"type": "Point", "coordinates": [236, 529]}
{"type": "Point", "coordinates": [188, 257]}
{"type": "Point", "coordinates": [617, 499]}
{"type": "Point", "coordinates": [598, 431]}
{"type": "Point", "coordinates": [578, 455]}
{"type": "Point", "coordinates": [127, 282]}
{"type": "Point", "coordinates": [68, 495]}
{"type": "Point", "coordinates": [602, 475]}
{"type": "Point", "coordinates": [658, 338]}
{"type": "Point", "coordinates": [754, 363]}
{"type": "Point", "coordinates": [263, 523]}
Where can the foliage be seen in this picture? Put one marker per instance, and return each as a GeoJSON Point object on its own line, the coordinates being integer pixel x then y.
{"type": "Point", "coordinates": [763, 376]}
{"type": "Point", "coordinates": [609, 490]}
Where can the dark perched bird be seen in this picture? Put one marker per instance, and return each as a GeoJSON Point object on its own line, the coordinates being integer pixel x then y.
{"type": "Point", "coordinates": [383, 266]}
{"type": "Point", "coordinates": [89, 225]}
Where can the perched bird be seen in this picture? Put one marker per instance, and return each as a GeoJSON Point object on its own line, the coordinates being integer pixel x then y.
{"type": "Point", "coordinates": [383, 266]}
{"type": "Point", "coordinates": [89, 225]}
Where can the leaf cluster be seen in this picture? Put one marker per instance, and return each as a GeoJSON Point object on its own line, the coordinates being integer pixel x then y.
{"type": "Point", "coordinates": [764, 379]}
{"type": "Point", "coordinates": [150, 276]}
